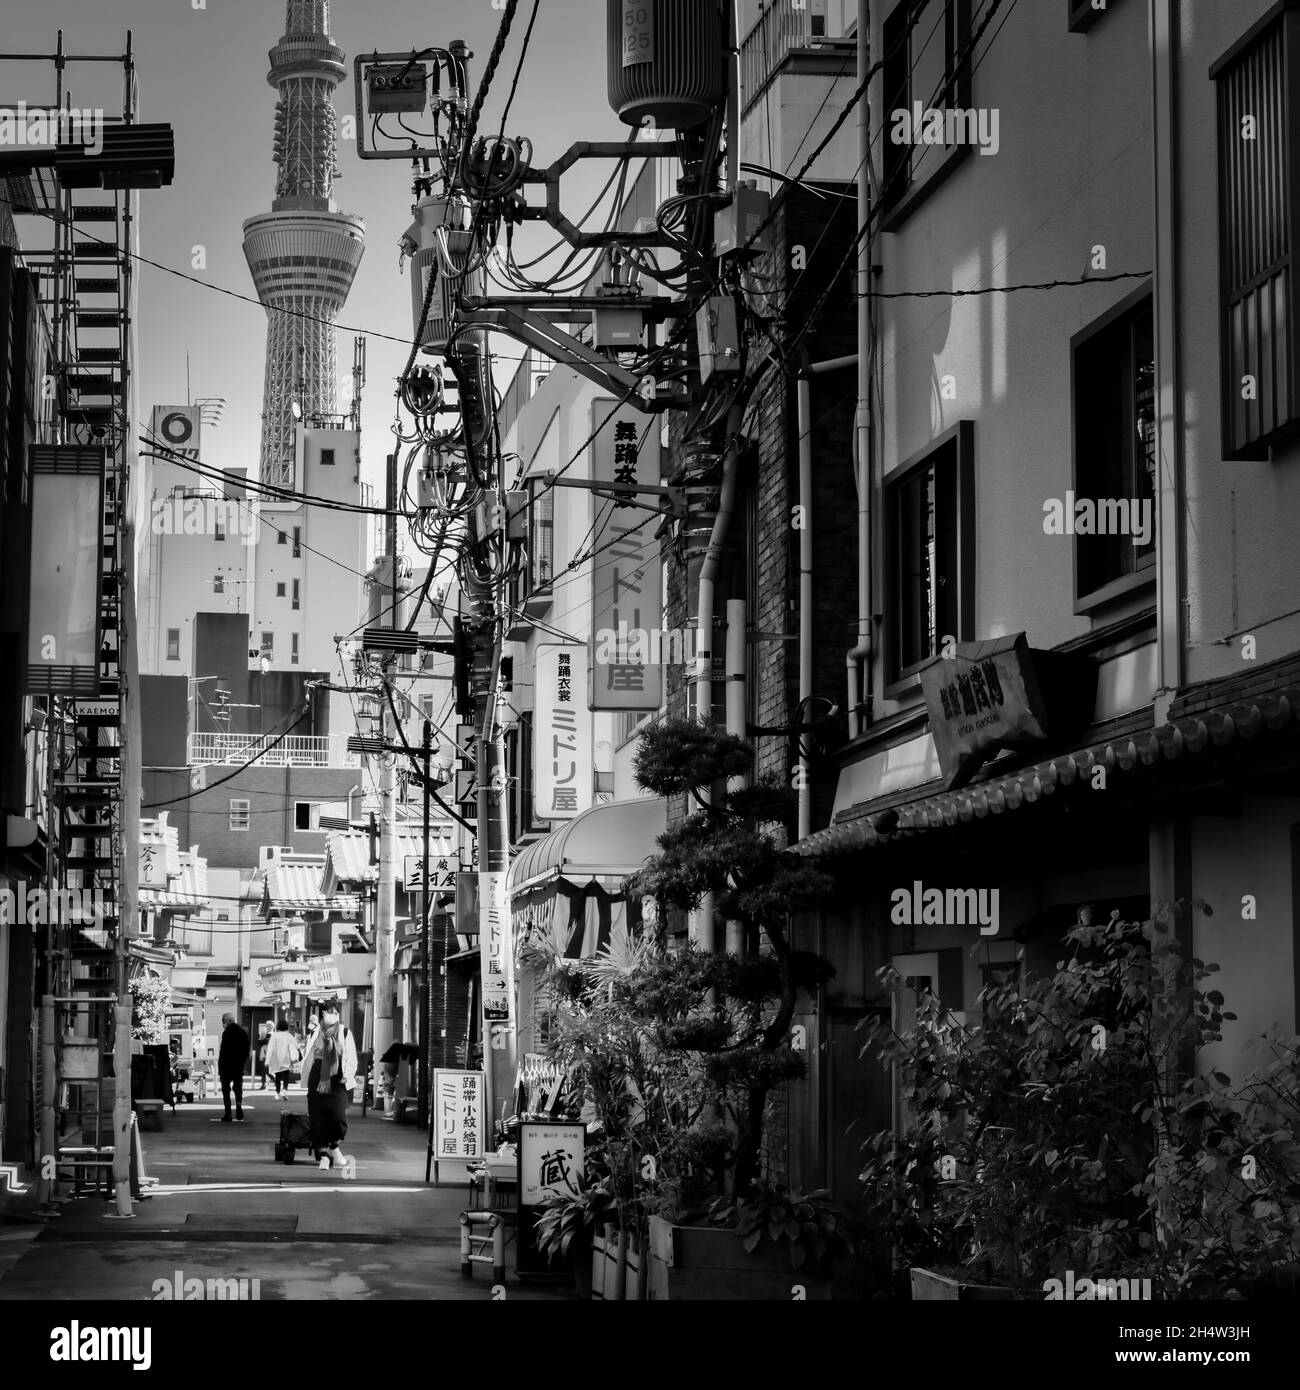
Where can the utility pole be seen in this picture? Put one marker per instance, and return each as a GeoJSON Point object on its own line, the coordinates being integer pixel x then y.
{"type": "Point", "coordinates": [386, 897]}
{"type": "Point", "coordinates": [426, 1003]}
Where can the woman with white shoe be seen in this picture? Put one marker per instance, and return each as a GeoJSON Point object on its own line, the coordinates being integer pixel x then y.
{"type": "Point", "coordinates": [329, 1067]}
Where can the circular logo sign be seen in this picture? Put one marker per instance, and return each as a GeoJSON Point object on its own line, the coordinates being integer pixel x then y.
{"type": "Point", "coordinates": [177, 428]}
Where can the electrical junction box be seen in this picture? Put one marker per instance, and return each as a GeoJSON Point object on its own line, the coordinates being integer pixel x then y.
{"type": "Point", "coordinates": [426, 495]}
{"type": "Point", "coordinates": [734, 225]}
{"type": "Point", "coordinates": [719, 338]}
{"type": "Point", "coordinates": [517, 517]}
{"type": "Point", "coordinates": [397, 87]}
{"type": "Point", "coordinates": [617, 328]}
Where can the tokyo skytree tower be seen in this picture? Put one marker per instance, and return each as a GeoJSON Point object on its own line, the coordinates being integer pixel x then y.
{"type": "Point", "coordinates": [304, 253]}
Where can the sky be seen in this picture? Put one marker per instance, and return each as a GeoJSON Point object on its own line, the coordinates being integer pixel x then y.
{"type": "Point", "coordinates": [203, 70]}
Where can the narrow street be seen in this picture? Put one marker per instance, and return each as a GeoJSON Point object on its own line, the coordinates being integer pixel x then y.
{"type": "Point", "coordinates": [222, 1208]}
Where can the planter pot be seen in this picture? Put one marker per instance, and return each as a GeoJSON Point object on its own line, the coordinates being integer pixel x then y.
{"type": "Point", "coordinates": [927, 1286]}
{"type": "Point", "coordinates": [604, 1268]}
{"type": "Point", "coordinates": [582, 1275]}
{"type": "Point", "coordinates": [708, 1262]}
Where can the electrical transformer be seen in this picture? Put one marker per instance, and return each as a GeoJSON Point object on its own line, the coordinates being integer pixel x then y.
{"type": "Point", "coordinates": [440, 232]}
{"type": "Point", "coordinates": [667, 64]}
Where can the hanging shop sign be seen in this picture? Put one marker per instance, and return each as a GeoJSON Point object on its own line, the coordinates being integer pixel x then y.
{"type": "Point", "coordinates": [626, 670]}
{"type": "Point", "coordinates": [1001, 694]}
{"type": "Point", "coordinates": [494, 920]}
{"type": "Point", "coordinates": [153, 865]}
{"type": "Point", "coordinates": [442, 873]}
{"type": "Point", "coordinates": [63, 611]}
{"type": "Point", "coordinates": [562, 760]}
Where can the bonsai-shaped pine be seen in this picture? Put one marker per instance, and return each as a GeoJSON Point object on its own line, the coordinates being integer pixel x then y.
{"type": "Point", "coordinates": [732, 1014]}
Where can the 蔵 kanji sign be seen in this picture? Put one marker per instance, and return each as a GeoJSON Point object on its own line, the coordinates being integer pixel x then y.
{"type": "Point", "coordinates": [562, 734]}
{"type": "Point", "coordinates": [552, 1159]}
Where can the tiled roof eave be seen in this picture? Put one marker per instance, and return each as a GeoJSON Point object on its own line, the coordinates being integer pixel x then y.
{"type": "Point", "coordinates": [1187, 735]}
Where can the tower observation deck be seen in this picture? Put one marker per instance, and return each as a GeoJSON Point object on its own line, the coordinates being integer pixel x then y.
{"type": "Point", "coordinates": [304, 253]}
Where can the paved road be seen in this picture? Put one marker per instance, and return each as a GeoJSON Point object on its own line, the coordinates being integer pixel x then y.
{"type": "Point", "coordinates": [222, 1208]}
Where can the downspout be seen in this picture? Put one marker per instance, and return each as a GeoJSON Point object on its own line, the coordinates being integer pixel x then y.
{"type": "Point", "coordinates": [704, 609]}
{"type": "Point", "coordinates": [736, 722]}
{"type": "Point", "coordinates": [862, 425]}
{"type": "Point", "coordinates": [804, 425]}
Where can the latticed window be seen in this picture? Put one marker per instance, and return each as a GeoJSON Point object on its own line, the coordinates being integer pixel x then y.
{"type": "Point", "coordinates": [1259, 306]}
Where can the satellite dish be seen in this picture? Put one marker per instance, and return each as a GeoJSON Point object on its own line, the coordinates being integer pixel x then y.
{"type": "Point", "coordinates": [296, 409]}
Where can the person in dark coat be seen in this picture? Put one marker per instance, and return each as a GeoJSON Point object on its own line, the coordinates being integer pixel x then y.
{"type": "Point", "coordinates": [231, 1061]}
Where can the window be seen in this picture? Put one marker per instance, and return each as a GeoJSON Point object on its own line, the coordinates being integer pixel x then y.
{"type": "Point", "coordinates": [239, 813]}
{"type": "Point", "coordinates": [1257, 82]}
{"type": "Point", "coordinates": [327, 458]}
{"type": "Point", "coordinates": [173, 644]}
{"type": "Point", "coordinates": [1113, 513]}
{"type": "Point", "coordinates": [218, 583]}
{"type": "Point", "coordinates": [293, 649]}
{"type": "Point", "coordinates": [306, 815]}
{"type": "Point", "coordinates": [296, 598]}
{"type": "Point", "coordinates": [281, 538]}
{"type": "Point", "coordinates": [279, 590]}
{"type": "Point", "coordinates": [541, 533]}
{"type": "Point", "coordinates": [268, 645]}
{"type": "Point", "coordinates": [426, 709]}
{"type": "Point", "coordinates": [927, 62]}
{"type": "Point", "coordinates": [297, 542]}
{"type": "Point", "coordinates": [219, 527]}
{"type": "Point", "coordinates": [929, 551]}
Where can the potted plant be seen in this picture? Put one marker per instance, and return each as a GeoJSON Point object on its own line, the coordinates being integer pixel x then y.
{"type": "Point", "coordinates": [1053, 1142]}
{"type": "Point", "coordinates": [566, 1226]}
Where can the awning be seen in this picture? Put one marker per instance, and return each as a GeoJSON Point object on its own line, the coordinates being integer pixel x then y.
{"type": "Point", "coordinates": [569, 884]}
{"type": "Point", "coordinates": [295, 886]}
{"type": "Point", "coordinates": [1181, 736]}
{"type": "Point", "coordinates": [347, 853]}
{"type": "Point", "coordinates": [603, 845]}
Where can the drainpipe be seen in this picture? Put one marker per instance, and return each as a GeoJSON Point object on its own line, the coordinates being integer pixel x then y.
{"type": "Point", "coordinates": [704, 622]}
{"type": "Point", "coordinates": [862, 426]}
{"type": "Point", "coordinates": [803, 425]}
{"type": "Point", "coordinates": [736, 721]}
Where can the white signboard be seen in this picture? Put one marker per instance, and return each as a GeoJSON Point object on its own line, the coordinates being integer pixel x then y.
{"type": "Point", "coordinates": [442, 873]}
{"type": "Point", "coordinates": [282, 979]}
{"type": "Point", "coordinates": [494, 924]}
{"type": "Point", "coordinates": [457, 1114]}
{"type": "Point", "coordinates": [153, 866]}
{"type": "Point", "coordinates": [562, 734]}
{"type": "Point", "coordinates": [552, 1158]}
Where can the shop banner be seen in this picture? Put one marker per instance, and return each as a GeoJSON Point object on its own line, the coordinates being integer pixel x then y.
{"type": "Point", "coordinates": [494, 923]}
{"type": "Point", "coordinates": [626, 575]}
{"type": "Point", "coordinates": [562, 753]}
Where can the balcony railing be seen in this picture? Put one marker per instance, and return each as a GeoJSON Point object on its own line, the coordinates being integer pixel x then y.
{"type": "Point", "coordinates": [781, 29]}
{"type": "Point", "coordinates": [298, 750]}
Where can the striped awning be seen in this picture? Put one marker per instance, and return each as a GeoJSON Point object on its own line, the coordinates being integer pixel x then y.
{"type": "Point", "coordinates": [295, 886]}
{"type": "Point", "coordinates": [347, 853]}
{"type": "Point", "coordinates": [1181, 736]}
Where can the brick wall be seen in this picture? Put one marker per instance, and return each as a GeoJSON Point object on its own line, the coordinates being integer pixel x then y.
{"type": "Point", "coordinates": [764, 557]}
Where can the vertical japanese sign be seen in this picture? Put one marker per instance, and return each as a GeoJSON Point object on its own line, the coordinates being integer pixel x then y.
{"type": "Point", "coordinates": [562, 734]}
{"type": "Point", "coordinates": [494, 946]}
{"type": "Point", "coordinates": [63, 637]}
{"type": "Point", "coordinates": [458, 1114]}
{"type": "Point", "coordinates": [626, 578]}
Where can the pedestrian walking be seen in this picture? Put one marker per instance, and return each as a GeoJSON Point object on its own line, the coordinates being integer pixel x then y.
{"type": "Point", "coordinates": [231, 1061]}
{"type": "Point", "coordinates": [329, 1068]}
{"type": "Point", "coordinates": [281, 1054]}
{"type": "Point", "coordinates": [261, 1065]}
